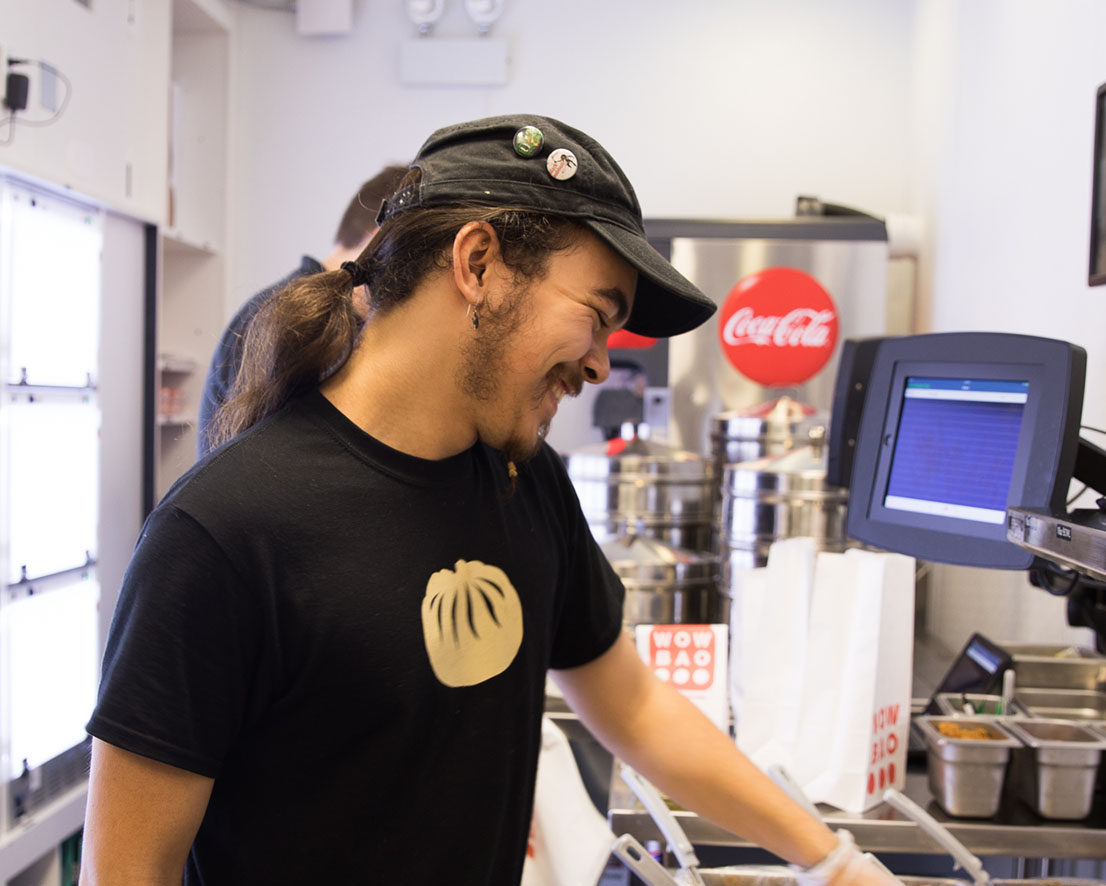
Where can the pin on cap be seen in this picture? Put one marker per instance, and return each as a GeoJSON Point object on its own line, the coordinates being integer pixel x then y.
{"type": "Point", "coordinates": [528, 141]}
{"type": "Point", "coordinates": [561, 164]}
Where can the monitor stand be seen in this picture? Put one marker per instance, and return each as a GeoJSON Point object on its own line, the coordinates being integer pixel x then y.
{"type": "Point", "coordinates": [1071, 547]}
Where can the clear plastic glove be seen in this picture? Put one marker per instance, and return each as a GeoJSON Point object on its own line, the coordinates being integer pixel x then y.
{"type": "Point", "coordinates": [865, 870]}
{"type": "Point", "coordinates": [846, 866]}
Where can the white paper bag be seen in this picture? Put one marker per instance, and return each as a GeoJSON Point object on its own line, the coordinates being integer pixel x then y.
{"type": "Point", "coordinates": [570, 841]}
{"type": "Point", "coordinates": [769, 615]}
{"type": "Point", "coordinates": [855, 708]}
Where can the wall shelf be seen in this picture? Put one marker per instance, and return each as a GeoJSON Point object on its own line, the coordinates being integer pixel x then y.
{"type": "Point", "coordinates": [42, 831]}
{"type": "Point", "coordinates": [172, 364]}
{"type": "Point", "coordinates": [178, 243]}
{"type": "Point", "coordinates": [200, 16]}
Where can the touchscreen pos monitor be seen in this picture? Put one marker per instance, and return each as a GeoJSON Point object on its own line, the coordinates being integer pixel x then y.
{"type": "Point", "coordinates": [978, 669]}
{"type": "Point", "coordinates": [955, 428]}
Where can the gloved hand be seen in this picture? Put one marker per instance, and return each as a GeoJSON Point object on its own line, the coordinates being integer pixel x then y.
{"type": "Point", "coordinates": [846, 866]}
{"type": "Point", "coordinates": [865, 870]}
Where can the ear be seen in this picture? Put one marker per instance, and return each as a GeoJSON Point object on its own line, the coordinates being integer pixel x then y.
{"type": "Point", "coordinates": [475, 248]}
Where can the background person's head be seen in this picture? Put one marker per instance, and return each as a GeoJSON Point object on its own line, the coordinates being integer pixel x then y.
{"type": "Point", "coordinates": [358, 223]}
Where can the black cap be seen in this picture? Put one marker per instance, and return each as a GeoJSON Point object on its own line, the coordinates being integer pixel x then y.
{"type": "Point", "coordinates": [478, 162]}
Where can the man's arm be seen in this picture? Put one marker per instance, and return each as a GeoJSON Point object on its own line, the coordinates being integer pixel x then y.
{"type": "Point", "coordinates": [652, 727]}
{"type": "Point", "coordinates": [141, 818]}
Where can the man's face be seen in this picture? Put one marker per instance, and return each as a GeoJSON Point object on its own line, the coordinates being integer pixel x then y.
{"type": "Point", "coordinates": [543, 340]}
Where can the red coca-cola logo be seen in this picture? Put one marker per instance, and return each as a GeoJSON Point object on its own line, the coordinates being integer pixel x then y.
{"type": "Point", "coordinates": [778, 327]}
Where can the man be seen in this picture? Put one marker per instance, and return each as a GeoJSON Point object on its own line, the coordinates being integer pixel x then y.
{"type": "Point", "coordinates": [328, 660]}
{"type": "Point", "coordinates": [355, 230]}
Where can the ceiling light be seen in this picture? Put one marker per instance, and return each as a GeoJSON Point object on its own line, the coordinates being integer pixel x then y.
{"type": "Point", "coordinates": [484, 13]}
{"type": "Point", "coordinates": [425, 13]}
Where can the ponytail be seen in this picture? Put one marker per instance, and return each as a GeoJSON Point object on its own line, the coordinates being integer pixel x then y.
{"type": "Point", "coordinates": [300, 336]}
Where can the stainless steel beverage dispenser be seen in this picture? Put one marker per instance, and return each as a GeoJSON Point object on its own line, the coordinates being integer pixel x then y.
{"type": "Point", "coordinates": [846, 254]}
{"type": "Point", "coordinates": [689, 378]}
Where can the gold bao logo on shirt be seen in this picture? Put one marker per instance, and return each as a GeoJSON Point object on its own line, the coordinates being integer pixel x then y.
{"type": "Point", "coordinates": [471, 622]}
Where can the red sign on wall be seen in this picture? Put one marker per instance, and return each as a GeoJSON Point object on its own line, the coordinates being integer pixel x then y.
{"type": "Point", "coordinates": [778, 327]}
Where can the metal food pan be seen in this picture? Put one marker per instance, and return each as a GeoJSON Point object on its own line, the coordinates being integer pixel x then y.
{"type": "Point", "coordinates": [1047, 881]}
{"type": "Point", "coordinates": [767, 875]}
{"type": "Point", "coordinates": [966, 775]}
{"type": "Point", "coordinates": [753, 875]}
{"type": "Point", "coordinates": [970, 704]}
{"type": "Point", "coordinates": [1054, 772]}
{"type": "Point", "coordinates": [1057, 667]}
{"type": "Point", "coordinates": [1099, 729]}
{"type": "Point", "coordinates": [1066, 704]}
{"type": "Point", "coordinates": [749, 875]}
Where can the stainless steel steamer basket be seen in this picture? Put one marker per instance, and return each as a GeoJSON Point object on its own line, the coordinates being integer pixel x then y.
{"type": "Point", "coordinates": [645, 488]}
{"type": "Point", "coordinates": [769, 428]}
{"type": "Point", "coordinates": [779, 496]}
{"type": "Point", "coordinates": [738, 436]}
{"type": "Point", "coordinates": [664, 585]}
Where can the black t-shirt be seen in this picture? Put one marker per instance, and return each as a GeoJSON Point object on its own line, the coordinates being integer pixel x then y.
{"type": "Point", "coordinates": [353, 643]}
{"type": "Point", "coordinates": [228, 353]}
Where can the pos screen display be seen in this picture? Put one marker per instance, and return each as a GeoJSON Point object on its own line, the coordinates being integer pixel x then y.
{"type": "Point", "coordinates": [955, 428]}
{"type": "Point", "coordinates": [957, 441]}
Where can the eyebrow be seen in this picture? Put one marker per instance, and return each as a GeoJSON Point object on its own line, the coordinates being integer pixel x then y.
{"type": "Point", "coordinates": [616, 296]}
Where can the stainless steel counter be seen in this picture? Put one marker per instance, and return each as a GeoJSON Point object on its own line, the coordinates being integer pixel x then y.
{"type": "Point", "coordinates": [1016, 831]}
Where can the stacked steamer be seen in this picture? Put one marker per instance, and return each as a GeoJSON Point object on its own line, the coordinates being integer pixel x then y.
{"type": "Point", "coordinates": [649, 506]}
{"type": "Point", "coordinates": [771, 464]}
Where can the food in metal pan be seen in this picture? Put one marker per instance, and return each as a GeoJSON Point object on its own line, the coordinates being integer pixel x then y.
{"type": "Point", "coordinates": [951, 729]}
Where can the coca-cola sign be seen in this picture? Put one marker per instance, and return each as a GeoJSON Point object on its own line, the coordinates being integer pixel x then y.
{"type": "Point", "coordinates": [778, 327]}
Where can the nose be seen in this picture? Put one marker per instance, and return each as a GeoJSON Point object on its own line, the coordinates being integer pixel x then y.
{"type": "Point", "coordinates": [597, 363]}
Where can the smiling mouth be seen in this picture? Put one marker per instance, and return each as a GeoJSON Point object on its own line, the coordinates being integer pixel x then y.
{"type": "Point", "coordinates": [563, 387]}
{"type": "Point", "coordinates": [558, 387]}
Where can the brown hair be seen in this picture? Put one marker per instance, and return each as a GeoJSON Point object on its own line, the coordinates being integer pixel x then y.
{"type": "Point", "coordinates": [305, 332]}
{"type": "Point", "coordinates": [359, 219]}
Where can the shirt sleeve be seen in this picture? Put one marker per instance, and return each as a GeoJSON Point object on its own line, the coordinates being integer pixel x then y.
{"type": "Point", "coordinates": [182, 658]}
{"type": "Point", "coordinates": [591, 617]}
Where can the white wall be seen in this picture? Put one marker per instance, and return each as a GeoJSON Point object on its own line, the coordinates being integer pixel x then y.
{"type": "Point", "coordinates": [1011, 219]}
{"type": "Point", "coordinates": [714, 108]}
{"type": "Point", "coordinates": [1007, 89]}
{"type": "Point", "coordinates": [974, 116]}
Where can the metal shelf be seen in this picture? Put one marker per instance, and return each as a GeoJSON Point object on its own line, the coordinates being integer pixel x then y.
{"type": "Point", "coordinates": [41, 831]}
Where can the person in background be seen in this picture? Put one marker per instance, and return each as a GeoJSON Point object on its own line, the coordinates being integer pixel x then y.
{"type": "Point", "coordinates": [356, 228]}
{"type": "Point", "coordinates": [328, 659]}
